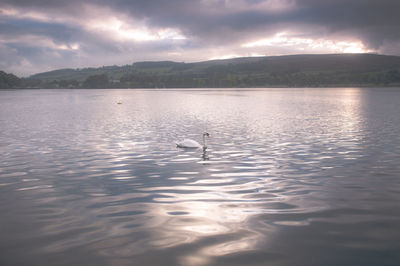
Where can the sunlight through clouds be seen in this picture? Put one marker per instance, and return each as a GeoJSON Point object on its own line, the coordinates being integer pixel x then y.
{"type": "Point", "coordinates": [309, 45]}
{"type": "Point", "coordinates": [122, 27]}
{"type": "Point", "coordinates": [122, 31]}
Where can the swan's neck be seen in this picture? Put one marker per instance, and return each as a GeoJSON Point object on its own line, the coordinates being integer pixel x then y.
{"type": "Point", "coordinates": [204, 141]}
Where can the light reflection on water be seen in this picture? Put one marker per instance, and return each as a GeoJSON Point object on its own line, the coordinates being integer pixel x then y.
{"type": "Point", "coordinates": [288, 174]}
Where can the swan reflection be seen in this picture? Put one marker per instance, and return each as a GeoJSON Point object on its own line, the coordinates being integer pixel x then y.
{"type": "Point", "coordinates": [205, 156]}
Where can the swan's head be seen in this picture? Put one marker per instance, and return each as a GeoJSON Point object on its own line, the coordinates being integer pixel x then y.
{"type": "Point", "coordinates": [205, 134]}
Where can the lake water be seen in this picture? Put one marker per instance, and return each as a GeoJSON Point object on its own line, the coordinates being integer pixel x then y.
{"type": "Point", "coordinates": [290, 177]}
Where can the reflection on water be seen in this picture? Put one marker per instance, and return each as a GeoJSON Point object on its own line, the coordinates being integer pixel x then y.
{"type": "Point", "coordinates": [288, 174]}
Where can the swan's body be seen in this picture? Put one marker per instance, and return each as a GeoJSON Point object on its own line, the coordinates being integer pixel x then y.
{"type": "Point", "coordinates": [189, 143]}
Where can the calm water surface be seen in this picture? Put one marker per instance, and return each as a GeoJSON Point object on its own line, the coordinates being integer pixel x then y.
{"type": "Point", "coordinates": [290, 177]}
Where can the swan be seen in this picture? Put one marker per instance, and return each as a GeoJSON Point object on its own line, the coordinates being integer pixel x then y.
{"type": "Point", "coordinates": [189, 143]}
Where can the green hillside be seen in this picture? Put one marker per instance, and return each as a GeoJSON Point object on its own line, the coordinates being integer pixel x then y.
{"type": "Point", "coordinates": [288, 71]}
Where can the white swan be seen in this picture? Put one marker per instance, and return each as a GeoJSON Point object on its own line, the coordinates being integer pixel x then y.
{"type": "Point", "coordinates": [189, 143]}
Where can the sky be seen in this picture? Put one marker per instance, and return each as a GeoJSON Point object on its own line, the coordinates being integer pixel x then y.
{"type": "Point", "coordinates": [43, 35]}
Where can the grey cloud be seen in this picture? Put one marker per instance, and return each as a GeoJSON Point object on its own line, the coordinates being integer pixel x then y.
{"type": "Point", "coordinates": [208, 25]}
{"type": "Point", "coordinates": [373, 21]}
{"type": "Point", "coordinates": [18, 27]}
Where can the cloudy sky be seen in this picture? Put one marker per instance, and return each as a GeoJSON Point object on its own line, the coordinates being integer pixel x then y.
{"type": "Point", "coordinates": [42, 35]}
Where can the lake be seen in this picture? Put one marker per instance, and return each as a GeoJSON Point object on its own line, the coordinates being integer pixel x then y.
{"type": "Point", "coordinates": [290, 177]}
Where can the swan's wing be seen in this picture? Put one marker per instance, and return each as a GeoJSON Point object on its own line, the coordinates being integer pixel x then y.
{"type": "Point", "coordinates": [187, 143]}
{"type": "Point", "coordinates": [179, 144]}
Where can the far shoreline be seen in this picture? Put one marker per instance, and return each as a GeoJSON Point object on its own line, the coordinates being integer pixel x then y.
{"type": "Point", "coordinates": [212, 88]}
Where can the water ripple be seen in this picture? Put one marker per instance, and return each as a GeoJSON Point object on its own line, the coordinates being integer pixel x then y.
{"type": "Point", "coordinates": [85, 180]}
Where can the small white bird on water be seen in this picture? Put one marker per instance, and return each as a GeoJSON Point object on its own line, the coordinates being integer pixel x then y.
{"type": "Point", "coordinates": [189, 143]}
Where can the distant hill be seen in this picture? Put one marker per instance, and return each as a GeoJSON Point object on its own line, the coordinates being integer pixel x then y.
{"type": "Point", "coordinates": [271, 71]}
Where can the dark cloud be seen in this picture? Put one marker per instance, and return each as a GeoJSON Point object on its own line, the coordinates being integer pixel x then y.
{"type": "Point", "coordinates": [372, 21]}
{"type": "Point", "coordinates": [211, 27]}
{"type": "Point", "coordinates": [20, 27]}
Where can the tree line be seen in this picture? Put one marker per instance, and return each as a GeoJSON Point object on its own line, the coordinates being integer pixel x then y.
{"type": "Point", "coordinates": [224, 80]}
{"type": "Point", "coordinates": [281, 71]}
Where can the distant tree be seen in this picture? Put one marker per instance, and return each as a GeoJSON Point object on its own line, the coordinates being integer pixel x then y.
{"type": "Point", "coordinates": [68, 84]}
{"type": "Point", "coordinates": [31, 83]}
{"type": "Point", "coordinates": [8, 80]}
{"type": "Point", "coordinates": [96, 81]}
{"type": "Point", "coordinates": [393, 76]}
